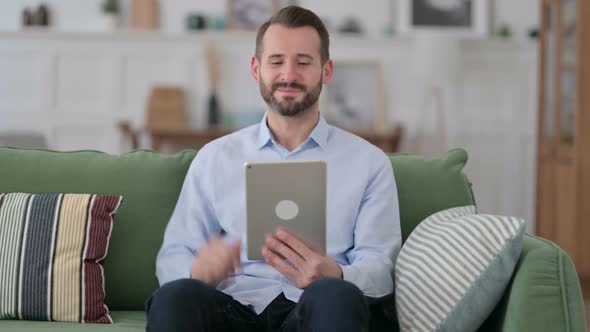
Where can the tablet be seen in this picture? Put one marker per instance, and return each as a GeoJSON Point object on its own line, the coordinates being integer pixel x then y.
{"type": "Point", "coordinates": [291, 194]}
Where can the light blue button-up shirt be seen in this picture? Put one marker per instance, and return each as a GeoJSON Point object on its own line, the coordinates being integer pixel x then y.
{"type": "Point", "coordinates": [363, 226]}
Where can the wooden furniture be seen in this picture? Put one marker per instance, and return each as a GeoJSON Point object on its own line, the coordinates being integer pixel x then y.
{"type": "Point", "coordinates": [563, 174]}
{"type": "Point", "coordinates": [196, 139]}
{"type": "Point", "coordinates": [145, 14]}
{"type": "Point", "coordinates": [129, 134]}
{"type": "Point", "coordinates": [166, 108]}
{"type": "Point", "coordinates": [186, 138]}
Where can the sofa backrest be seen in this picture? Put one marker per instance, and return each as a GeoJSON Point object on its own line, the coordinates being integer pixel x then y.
{"type": "Point", "coordinates": [427, 186]}
{"type": "Point", "coordinates": [150, 184]}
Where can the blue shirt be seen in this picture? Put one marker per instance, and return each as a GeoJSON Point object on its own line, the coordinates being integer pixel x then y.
{"type": "Point", "coordinates": [363, 226]}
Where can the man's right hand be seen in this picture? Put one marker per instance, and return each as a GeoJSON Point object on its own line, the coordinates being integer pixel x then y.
{"type": "Point", "coordinates": [216, 261]}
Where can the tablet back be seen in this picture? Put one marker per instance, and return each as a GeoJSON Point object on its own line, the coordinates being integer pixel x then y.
{"type": "Point", "coordinates": [291, 194]}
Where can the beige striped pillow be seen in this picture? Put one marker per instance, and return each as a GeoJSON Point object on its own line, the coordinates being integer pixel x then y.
{"type": "Point", "coordinates": [453, 269]}
{"type": "Point", "coordinates": [51, 251]}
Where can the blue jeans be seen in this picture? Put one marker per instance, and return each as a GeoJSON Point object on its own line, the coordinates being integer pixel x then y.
{"type": "Point", "coordinates": [326, 305]}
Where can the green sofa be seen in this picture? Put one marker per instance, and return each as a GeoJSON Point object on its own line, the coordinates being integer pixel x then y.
{"type": "Point", "coordinates": [544, 294]}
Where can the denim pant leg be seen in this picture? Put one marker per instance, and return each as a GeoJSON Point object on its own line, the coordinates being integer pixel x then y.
{"type": "Point", "coordinates": [190, 305]}
{"type": "Point", "coordinates": [383, 316]}
{"type": "Point", "coordinates": [330, 305]}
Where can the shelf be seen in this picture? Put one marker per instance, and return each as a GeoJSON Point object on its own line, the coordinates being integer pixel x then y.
{"type": "Point", "coordinates": [229, 36]}
{"type": "Point", "coordinates": [138, 35]}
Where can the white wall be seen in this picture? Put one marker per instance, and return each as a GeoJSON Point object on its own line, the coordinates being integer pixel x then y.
{"type": "Point", "coordinates": [375, 15]}
{"type": "Point", "coordinates": [490, 107]}
{"type": "Point", "coordinates": [74, 87]}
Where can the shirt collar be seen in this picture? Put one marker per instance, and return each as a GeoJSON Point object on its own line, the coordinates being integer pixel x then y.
{"type": "Point", "coordinates": [319, 134]}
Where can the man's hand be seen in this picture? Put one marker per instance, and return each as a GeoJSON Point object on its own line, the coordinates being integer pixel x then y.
{"type": "Point", "coordinates": [216, 261]}
{"type": "Point", "coordinates": [296, 261]}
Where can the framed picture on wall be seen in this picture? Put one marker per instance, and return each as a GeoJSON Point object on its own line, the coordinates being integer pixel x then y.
{"type": "Point", "coordinates": [354, 97]}
{"type": "Point", "coordinates": [250, 14]}
{"type": "Point", "coordinates": [462, 17]}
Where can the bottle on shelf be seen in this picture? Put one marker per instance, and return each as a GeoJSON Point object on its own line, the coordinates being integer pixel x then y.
{"type": "Point", "coordinates": [27, 17]}
{"type": "Point", "coordinates": [42, 16]}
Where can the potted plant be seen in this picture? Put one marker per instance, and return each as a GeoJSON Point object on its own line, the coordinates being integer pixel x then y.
{"type": "Point", "coordinates": [110, 14]}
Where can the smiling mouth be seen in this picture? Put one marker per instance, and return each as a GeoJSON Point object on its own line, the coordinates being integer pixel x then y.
{"type": "Point", "coordinates": [289, 90]}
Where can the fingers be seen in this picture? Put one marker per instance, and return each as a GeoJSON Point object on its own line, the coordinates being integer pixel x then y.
{"type": "Point", "coordinates": [280, 264]}
{"type": "Point", "coordinates": [216, 260]}
{"type": "Point", "coordinates": [226, 255]}
{"type": "Point", "coordinates": [293, 242]}
{"type": "Point", "coordinates": [284, 250]}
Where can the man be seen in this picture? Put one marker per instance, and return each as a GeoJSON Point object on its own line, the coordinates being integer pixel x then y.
{"type": "Point", "coordinates": [207, 283]}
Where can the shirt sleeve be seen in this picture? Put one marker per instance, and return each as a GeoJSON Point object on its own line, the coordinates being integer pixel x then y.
{"type": "Point", "coordinates": [377, 233]}
{"type": "Point", "coordinates": [192, 223]}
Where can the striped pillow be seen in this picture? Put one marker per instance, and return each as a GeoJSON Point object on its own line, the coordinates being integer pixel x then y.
{"type": "Point", "coordinates": [51, 252]}
{"type": "Point", "coordinates": [454, 268]}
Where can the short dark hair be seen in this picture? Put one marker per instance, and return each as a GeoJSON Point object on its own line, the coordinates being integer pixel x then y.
{"type": "Point", "coordinates": [296, 17]}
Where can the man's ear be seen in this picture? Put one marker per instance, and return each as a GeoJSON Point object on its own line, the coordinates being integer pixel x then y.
{"type": "Point", "coordinates": [254, 68]}
{"type": "Point", "coordinates": [328, 70]}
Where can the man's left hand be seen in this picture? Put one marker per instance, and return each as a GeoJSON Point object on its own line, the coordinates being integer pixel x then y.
{"type": "Point", "coordinates": [296, 261]}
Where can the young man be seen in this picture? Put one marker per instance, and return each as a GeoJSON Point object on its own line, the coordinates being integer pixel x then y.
{"type": "Point", "coordinates": [207, 283]}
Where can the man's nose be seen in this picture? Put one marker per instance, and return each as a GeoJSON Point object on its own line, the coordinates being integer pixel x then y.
{"type": "Point", "coordinates": [289, 72]}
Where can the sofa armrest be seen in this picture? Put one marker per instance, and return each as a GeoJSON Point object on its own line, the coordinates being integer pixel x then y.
{"type": "Point", "coordinates": [543, 295]}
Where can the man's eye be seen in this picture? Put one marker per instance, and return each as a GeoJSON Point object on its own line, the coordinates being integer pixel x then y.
{"type": "Point", "coordinates": [276, 63]}
{"type": "Point", "coordinates": [304, 63]}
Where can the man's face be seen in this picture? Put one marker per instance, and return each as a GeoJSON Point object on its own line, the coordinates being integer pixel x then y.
{"type": "Point", "coordinates": [290, 72]}
{"type": "Point", "coordinates": [287, 102]}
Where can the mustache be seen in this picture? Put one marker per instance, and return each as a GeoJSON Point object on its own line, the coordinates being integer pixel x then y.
{"type": "Point", "coordinates": [292, 85]}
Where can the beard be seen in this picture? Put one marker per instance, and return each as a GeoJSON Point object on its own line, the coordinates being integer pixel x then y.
{"type": "Point", "coordinates": [288, 106]}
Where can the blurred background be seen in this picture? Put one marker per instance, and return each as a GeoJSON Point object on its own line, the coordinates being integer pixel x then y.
{"type": "Point", "coordinates": [497, 78]}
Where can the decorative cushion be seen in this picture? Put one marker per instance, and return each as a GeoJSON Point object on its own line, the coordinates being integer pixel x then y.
{"type": "Point", "coordinates": [453, 269]}
{"type": "Point", "coordinates": [51, 251]}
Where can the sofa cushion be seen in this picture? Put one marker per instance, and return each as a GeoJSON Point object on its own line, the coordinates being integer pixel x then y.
{"type": "Point", "coordinates": [150, 183]}
{"type": "Point", "coordinates": [426, 186]}
{"type": "Point", "coordinates": [124, 321]}
{"type": "Point", "coordinates": [51, 252]}
{"type": "Point", "coordinates": [453, 269]}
